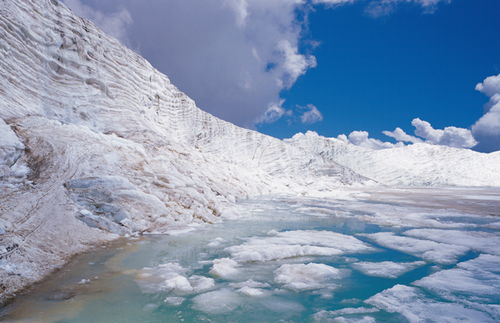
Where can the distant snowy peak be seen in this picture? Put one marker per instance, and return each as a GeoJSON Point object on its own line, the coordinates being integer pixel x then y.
{"type": "Point", "coordinates": [418, 164]}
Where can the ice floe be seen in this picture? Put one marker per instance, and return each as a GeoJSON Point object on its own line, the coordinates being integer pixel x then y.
{"type": "Point", "coordinates": [480, 241]}
{"type": "Point", "coordinates": [300, 277]}
{"type": "Point", "coordinates": [224, 268]}
{"type": "Point", "coordinates": [386, 269]}
{"type": "Point", "coordinates": [476, 280]}
{"type": "Point", "coordinates": [217, 302]}
{"type": "Point", "coordinates": [170, 277]}
{"type": "Point", "coordinates": [437, 252]}
{"type": "Point", "coordinates": [416, 307]}
{"type": "Point", "coordinates": [297, 243]}
{"type": "Point", "coordinates": [174, 300]}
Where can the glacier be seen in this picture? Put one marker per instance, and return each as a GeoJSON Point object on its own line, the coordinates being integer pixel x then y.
{"type": "Point", "coordinates": [95, 144]}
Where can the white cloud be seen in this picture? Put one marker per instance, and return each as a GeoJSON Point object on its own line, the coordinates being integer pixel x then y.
{"type": "Point", "coordinates": [114, 24]}
{"type": "Point", "coordinates": [379, 8]}
{"type": "Point", "coordinates": [362, 139]}
{"type": "Point", "coordinates": [400, 135]}
{"type": "Point", "coordinates": [273, 113]}
{"type": "Point", "coordinates": [487, 129]}
{"type": "Point", "coordinates": [294, 64]}
{"type": "Point", "coordinates": [233, 57]}
{"type": "Point", "coordinates": [449, 136]}
{"type": "Point", "coordinates": [312, 115]}
{"type": "Point", "coordinates": [332, 2]}
{"type": "Point", "coordinates": [240, 8]}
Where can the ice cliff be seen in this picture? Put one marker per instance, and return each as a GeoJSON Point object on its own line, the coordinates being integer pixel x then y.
{"type": "Point", "coordinates": [95, 143]}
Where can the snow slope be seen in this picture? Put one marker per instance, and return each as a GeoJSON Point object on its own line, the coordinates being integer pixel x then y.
{"type": "Point", "coordinates": [96, 143]}
{"type": "Point", "coordinates": [414, 165]}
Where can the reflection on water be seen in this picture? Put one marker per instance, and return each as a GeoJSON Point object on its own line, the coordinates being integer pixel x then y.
{"type": "Point", "coordinates": [289, 260]}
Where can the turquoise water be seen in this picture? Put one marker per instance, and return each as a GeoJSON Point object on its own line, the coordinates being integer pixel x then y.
{"type": "Point", "coordinates": [105, 285]}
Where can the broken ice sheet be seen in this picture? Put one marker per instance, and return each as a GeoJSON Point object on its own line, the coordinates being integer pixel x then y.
{"type": "Point", "coordinates": [301, 277]}
{"type": "Point", "coordinates": [416, 307]}
{"type": "Point", "coordinates": [437, 252]}
{"type": "Point", "coordinates": [386, 269]}
{"type": "Point", "coordinates": [297, 243]}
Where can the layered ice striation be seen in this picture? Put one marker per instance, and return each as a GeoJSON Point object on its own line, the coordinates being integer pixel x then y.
{"type": "Point", "coordinates": [95, 142]}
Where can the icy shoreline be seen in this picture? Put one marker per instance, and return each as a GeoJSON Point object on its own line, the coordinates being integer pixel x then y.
{"type": "Point", "coordinates": [296, 258]}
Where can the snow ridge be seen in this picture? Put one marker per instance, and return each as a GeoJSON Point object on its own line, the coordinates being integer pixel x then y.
{"type": "Point", "coordinates": [418, 164]}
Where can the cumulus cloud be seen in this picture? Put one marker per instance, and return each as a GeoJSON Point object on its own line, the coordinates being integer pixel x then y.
{"type": "Point", "coordinates": [487, 129]}
{"type": "Point", "coordinates": [273, 113]}
{"type": "Point", "coordinates": [311, 115]}
{"type": "Point", "coordinates": [400, 135]}
{"type": "Point", "coordinates": [114, 23]}
{"type": "Point", "coordinates": [362, 139]}
{"type": "Point", "coordinates": [233, 57]}
{"type": "Point", "coordinates": [449, 136]}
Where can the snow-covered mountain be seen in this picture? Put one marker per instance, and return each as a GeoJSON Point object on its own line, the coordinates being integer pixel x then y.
{"type": "Point", "coordinates": [95, 142]}
{"type": "Point", "coordinates": [414, 165]}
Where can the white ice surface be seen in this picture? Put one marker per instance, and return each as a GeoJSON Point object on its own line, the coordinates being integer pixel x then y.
{"type": "Point", "coordinates": [416, 307]}
{"type": "Point", "coordinates": [440, 253]}
{"type": "Point", "coordinates": [299, 277]}
{"type": "Point", "coordinates": [480, 241]}
{"type": "Point", "coordinates": [474, 283]}
{"type": "Point", "coordinates": [386, 269]}
{"type": "Point", "coordinates": [224, 268]}
{"type": "Point", "coordinates": [171, 278]}
{"type": "Point", "coordinates": [217, 302]}
{"type": "Point", "coordinates": [297, 243]}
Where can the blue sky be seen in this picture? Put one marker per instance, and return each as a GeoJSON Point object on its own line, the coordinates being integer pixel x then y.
{"type": "Point", "coordinates": [332, 66]}
{"type": "Point", "coordinates": [376, 74]}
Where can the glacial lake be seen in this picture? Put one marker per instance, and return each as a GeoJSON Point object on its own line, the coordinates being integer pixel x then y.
{"type": "Point", "coordinates": [397, 255]}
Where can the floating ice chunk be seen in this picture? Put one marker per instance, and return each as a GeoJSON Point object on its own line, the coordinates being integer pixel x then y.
{"type": "Point", "coordinates": [348, 244]}
{"type": "Point", "coordinates": [201, 283]}
{"type": "Point", "coordinates": [263, 253]}
{"type": "Point", "coordinates": [176, 283]}
{"type": "Point", "coordinates": [412, 304]}
{"type": "Point", "coordinates": [224, 268]}
{"type": "Point", "coordinates": [430, 250]}
{"type": "Point", "coordinates": [164, 278]}
{"type": "Point", "coordinates": [329, 316]}
{"type": "Point", "coordinates": [387, 269]}
{"type": "Point", "coordinates": [217, 302]}
{"type": "Point", "coordinates": [249, 283]}
{"type": "Point", "coordinates": [251, 291]}
{"type": "Point", "coordinates": [348, 311]}
{"type": "Point", "coordinates": [298, 243]}
{"type": "Point", "coordinates": [280, 305]}
{"type": "Point", "coordinates": [480, 241]}
{"type": "Point", "coordinates": [216, 242]}
{"type": "Point", "coordinates": [478, 277]}
{"type": "Point", "coordinates": [174, 300]}
{"type": "Point", "coordinates": [310, 276]}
